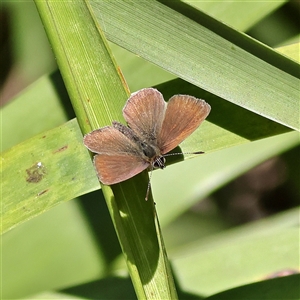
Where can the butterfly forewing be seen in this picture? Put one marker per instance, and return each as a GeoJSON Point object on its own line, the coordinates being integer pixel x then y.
{"type": "Point", "coordinates": [109, 140]}
{"type": "Point", "coordinates": [144, 112]}
{"type": "Point", "coordinates": [183, 115]}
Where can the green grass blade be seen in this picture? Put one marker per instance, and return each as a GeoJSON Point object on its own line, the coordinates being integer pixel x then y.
{"type": "Point", "coordinates": [291, 51]}
{"type": "Point", "coordinates": [43, 174]}
{"type": "Point", "coordinates": [207, 54]}
{"type": "Point", "coordinates": [98, 93]}
{"type": "Point", "coordinates": [58, 159]}
{"type": "Point", "coordinates": [217, 133]}
{"type": "Point", "coordinates": [82, 66]}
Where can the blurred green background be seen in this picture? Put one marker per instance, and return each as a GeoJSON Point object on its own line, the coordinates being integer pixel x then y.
{"type": "Point", "coordinates": [251, 193]}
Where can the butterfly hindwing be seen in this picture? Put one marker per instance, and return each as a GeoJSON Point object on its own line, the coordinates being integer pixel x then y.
{"type": "Point", "coordinates": [118, 158]}
{"type": "Point", "coordinates": [113, 169]}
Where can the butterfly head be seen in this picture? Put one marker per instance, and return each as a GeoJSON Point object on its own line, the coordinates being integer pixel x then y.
{"type": "Point", "coordinates": [152, 155]}
{"type": "Point", "coordinates": [159, 162]}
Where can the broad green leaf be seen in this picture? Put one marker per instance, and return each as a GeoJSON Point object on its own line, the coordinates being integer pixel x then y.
{"type": "Point", "coordinates": [207, 54]}
{"type": "Point", "coordinates": [218, 132]}
{"type": "Point", "coordinates": [43, 173]}
{"type": "Point", "coordinates": [40, 120]}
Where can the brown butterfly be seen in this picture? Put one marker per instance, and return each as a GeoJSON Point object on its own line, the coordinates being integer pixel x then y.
{"type": "Point", "coordinates": [154, 128]}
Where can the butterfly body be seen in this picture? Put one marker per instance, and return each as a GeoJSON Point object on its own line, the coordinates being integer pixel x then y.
{"type": "Point", "coordinates": [148, 146]}
{"type": "Point", "coordinates": [154, 128]}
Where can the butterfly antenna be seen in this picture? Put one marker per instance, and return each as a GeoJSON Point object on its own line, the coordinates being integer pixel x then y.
{"type": "Point", "coordinates": [183, 153]}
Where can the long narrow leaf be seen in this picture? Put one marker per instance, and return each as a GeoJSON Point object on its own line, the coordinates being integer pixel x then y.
{"type": "Point", "coordinates": [97, 92]}
{"type": "Point", "coordinates": [206, 53]}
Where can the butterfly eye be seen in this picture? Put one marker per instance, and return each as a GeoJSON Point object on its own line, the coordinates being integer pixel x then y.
{"type": "Point", "coordinates": [159, 162]}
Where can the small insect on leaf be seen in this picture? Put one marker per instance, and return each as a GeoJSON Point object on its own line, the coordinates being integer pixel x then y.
{"type": "Point", "coordinates": [154, 128]}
